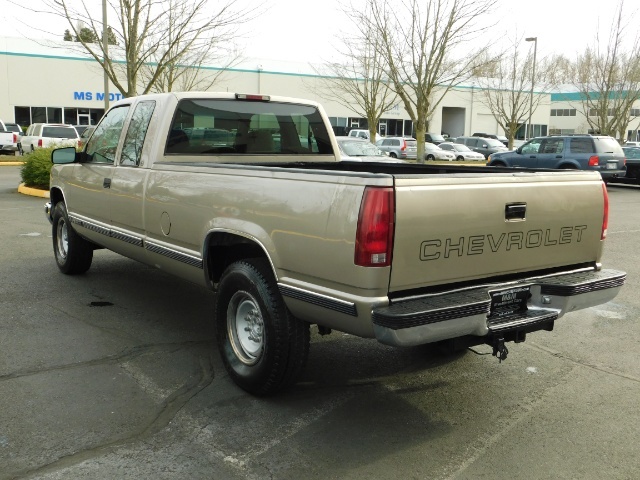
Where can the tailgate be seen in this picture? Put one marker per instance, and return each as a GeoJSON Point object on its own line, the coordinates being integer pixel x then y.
{"type": "Point", "coordinates": [453, 228]}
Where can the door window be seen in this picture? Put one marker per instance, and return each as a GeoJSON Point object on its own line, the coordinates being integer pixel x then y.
{"type": "Point", "coordinates": [103, 144]}
{"type": "Point", "coordinates": [532, 147]}
{"type": "Point", "coordinates": [552, 145]}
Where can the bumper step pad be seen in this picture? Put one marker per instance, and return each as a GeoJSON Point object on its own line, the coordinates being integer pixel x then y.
{"type": "Point", "coordinates": [466, 303]}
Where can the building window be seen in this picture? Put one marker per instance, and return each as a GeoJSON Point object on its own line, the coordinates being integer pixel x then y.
{"type": "Point", "coordinates": [38, 115]}
{"type": "Point", "coordinates": [22, 116]}
{"type": "Point", "coordinates": [635, 112]}
{"type": "Point", "coordinates": [54, 115]}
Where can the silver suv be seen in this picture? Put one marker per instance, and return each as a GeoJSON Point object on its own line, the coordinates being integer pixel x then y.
{"type": "Point", "coordinates": [399, 147]}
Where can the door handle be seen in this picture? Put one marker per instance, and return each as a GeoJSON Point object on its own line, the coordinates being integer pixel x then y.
{"type": "Point", "coordinates": [106, 183]}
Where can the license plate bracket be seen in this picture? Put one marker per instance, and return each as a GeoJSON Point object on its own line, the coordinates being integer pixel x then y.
{"type": "Point", "coordinates": [510, 300]}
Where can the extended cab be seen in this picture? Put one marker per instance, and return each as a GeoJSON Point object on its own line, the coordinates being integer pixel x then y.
{"type": "Point", "coordinates": [247, 195]}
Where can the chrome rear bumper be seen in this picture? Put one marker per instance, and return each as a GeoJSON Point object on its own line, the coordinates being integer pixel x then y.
{"type": "Point", "coordinates": [456, 314]}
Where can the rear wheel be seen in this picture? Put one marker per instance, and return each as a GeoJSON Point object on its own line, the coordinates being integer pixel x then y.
{"type": "Point", "coordinates": [263, 347]}
{"type": "Point", "coordinates": [393, 155]}
{"type": "Point", "coordinates": [73, 253]}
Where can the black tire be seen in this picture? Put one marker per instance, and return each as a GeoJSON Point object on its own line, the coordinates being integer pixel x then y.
{"type": "Point", "coordinates": [393, 155]}
{"type": "Point", "coordinates": [460, 157]}
{"type": "Point", "coordinates": [20, 149]}
{"type": "Point", "coordinates": [430, 157]}
{"type": "Point", "coordinates": [498, 164]}
{"type": "Point", "coordinates": [263, 347]}
{"type": "Point", "coordinates": [72, 252]}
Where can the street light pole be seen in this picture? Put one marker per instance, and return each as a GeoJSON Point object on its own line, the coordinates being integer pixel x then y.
{"type": "Point", "coordinates": [533, 78]}
{"type": "Point", "coordinates": [105, 48]}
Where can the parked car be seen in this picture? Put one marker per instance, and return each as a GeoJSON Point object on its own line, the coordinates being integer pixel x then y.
{"type": "Point", "coordinates": [354, 149]}
{"type": "Point", "coordinates": [483, 145]}
{"type": "Point", "coordinates": [434, 152]}
{"type": "Point", "coordinates": [434, 138]}
{"type": "Point", "coordinates": [84, 135]}
{"type": "Point", "coordinates": [631, 144]}
{"type": "Point", "coordinates": [461, 152]}
{"type": "Point", "coordinates": [399, 147]}
{"type": "Point", "coordinates": [632, 166]}
{"type": "Point", "coordinates": [80, 128]}
{"type": "Point", "coordinates": [360, 134]}
{"type": "Point", "coordinates": [581, 152]}
{"type": "Point", "coordinates": [504, 140]}
{"type": "Point", "coordinates": [41, 135]}
{"type": "Point", "coordinates": [16, 130]}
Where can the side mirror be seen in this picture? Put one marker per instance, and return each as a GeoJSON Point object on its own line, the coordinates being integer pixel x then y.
{"type": "Point", "coordinates": [64, 155]}
{"type": "Point", "coordinates": [519, 150]}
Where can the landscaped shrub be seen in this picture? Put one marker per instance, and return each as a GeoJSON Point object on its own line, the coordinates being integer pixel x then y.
{"type": "Point", "coordinates": [37, 167]}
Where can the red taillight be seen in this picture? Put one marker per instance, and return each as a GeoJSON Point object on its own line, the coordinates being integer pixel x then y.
{"type": "Point", "coordinates": [15, 138]}
{"type": "Point", "coordinates": [374, 235]}
{"type": "Point", "coordinates": [404, 146]}
{"type": "Point", "coordinates": [40, 142]}
{"type": "Point", "coordinates": [605, 216]}
{"type": "Point", "coordinates": [593, 161]}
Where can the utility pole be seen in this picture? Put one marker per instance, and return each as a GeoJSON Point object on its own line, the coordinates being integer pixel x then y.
{"type": "Point", "coordinates": [105, 49]}
{"type": "Point", "coordinates": [533, 79]}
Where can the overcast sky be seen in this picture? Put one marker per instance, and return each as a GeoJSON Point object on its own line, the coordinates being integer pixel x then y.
{"type": "Point", "coordinates": [310, 30]}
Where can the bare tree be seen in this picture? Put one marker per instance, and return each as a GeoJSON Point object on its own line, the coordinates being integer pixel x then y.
{"type": "Point", "coordinates": [359, 81]}
{"type": "Point", "coordinates": [556, 70]}
{"type": "Point", "coordinates": [154, 36]}
{"type": "Point", "coordinates": [190, 68]}
{"type": "Point", "coordinates": [508, 93]}
{"type": "Point", "coordinates": [421, 42]}
{"type": "Point", "coordinates": [608, 79]}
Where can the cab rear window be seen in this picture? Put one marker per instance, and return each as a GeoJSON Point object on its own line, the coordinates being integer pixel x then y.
{"type": "Point", "coordinates": [59, 132]}
{"type": "Point", "coordinates": [228, 127]}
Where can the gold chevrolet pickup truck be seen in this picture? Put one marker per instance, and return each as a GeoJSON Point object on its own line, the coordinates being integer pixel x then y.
{"type": "Point", "coordinates": [247, 195]}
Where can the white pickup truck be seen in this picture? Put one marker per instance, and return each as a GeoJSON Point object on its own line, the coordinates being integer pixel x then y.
{"type": "Point", "coordinates": [9, 137]}
{"type": "Point", "coordinates": [43, 135]}
{"type": "Point", "coordinates": [247, 195]}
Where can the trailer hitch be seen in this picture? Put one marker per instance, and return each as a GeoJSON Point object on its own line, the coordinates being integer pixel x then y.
{"type": "Point", "coordinates": [500, 350]}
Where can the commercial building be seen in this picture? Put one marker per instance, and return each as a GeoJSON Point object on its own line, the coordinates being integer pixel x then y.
{"type": "Point", "coordinates": [44, 81]}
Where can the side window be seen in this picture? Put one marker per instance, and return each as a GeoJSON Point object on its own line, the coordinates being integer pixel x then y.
{"type": "Point", "coordinates": [103, 144]}
{"type": "Point", "coordinates": [581, 145]}
{"type": "Point", "coordinates": [133, 142]}
{"type": "Point", "coordinates": [386, 143]}
{"type": "Point", "coordinates": [532, 147]}
{"type": "Point", "coordinates": [396, 143]}
{"type": "Point", "coordinates": [552, 145]}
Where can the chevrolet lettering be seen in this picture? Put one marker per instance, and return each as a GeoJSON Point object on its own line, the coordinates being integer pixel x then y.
{"type": "Point", "coordinates": [247, 195]}
{"type": "Point", "coordinates": [480, 244]}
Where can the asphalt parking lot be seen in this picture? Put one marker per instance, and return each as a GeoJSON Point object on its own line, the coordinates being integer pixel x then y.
{"type": "Point", "coordinates": [115, 375]}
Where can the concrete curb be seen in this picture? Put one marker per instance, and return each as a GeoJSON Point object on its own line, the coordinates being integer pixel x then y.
{"type": "Point", "coordinates": [34, 192]}
{"type": "Point", "coordinates": [11, 164]}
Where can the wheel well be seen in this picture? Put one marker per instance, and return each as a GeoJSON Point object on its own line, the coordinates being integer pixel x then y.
{"type": "Point", "coordinates": [55, 196]}
{"type": "Point", "coordinates": [222, 249]}
{"type": "Point", "coordinates": [568, 166]}
{"type": "Point", "coordinates": [498, 164]}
